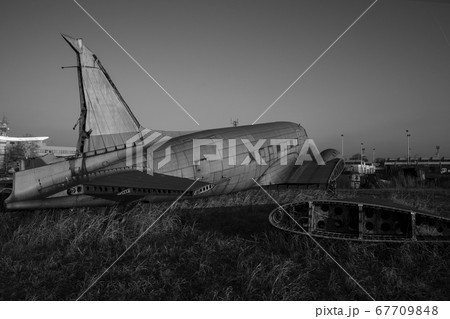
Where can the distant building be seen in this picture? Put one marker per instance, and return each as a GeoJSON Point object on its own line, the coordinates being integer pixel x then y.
{"type": "Point", "coordinates": [58, 151]}
{"type": "Point", "coordinates": [360, 167]}
{"type": "Point", "coordinates": [40, 150]}
{"type": "Point", "coordinates": [431, 167]}
{"type": "Point", "coordinates": [4, 126]}
{"type": "Point", "coordinates": [5, 140]}
{"type": "Point", "coordinates": [3, 129]}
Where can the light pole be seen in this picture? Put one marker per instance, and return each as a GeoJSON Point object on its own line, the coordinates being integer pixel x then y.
{"type": "Point", "coordinates": [373, 155]}
{"type": "Point", "coordinates": [361, 153]}
{"type": "Point", "coordinates": [407, 137]}
{"type": "Point", "coordinates": [342, 145]}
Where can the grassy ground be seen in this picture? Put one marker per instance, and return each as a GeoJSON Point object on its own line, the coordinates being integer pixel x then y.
{"type": "Point", "coordinates": [220, 248]}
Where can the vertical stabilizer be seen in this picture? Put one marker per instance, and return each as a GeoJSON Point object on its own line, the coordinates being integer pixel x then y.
{"type": "Point", "coordinates": [105, 119]}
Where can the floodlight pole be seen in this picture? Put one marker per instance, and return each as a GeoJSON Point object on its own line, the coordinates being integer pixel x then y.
{"type": "Point", "coordinates": [342, 145]}
{"type": "Point", "coordinates": [407, 151]}
{"type": "Point", "coordinates": [361, 160]}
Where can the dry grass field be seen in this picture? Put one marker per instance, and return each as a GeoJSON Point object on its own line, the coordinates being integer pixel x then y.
{"type": "Point", "coordinates": [216, 248]}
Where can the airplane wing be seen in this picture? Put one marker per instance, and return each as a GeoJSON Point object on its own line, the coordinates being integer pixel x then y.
{"type": "Point", "coordinates": [120, 187]}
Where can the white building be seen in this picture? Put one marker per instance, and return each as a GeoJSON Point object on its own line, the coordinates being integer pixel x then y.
{"type": "Point", "coordinates": [41, 148]}
{"type": "Point", "coordinates": [360, 167]}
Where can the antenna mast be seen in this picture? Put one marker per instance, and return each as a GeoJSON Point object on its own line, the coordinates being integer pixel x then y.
{"type": "Point", "coordinates": [234, 122]}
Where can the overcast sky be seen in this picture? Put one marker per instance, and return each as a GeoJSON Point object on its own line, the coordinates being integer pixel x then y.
{"type": "Point", "coordinates": [232, 59]}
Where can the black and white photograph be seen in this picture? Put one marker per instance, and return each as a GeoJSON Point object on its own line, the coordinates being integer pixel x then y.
{"type": "Point", "coordinates": [227, 151]}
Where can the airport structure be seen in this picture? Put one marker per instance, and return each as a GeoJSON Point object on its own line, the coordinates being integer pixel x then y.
{"type": "Point", "coordinates": [41, 148]}
{"type": "Point", "coordinates": [3, 132]}
{"type": "Point", "coordinates": [6, 140]}
{"type": "Point", "coordinates": [58, 151]}
{"type": "Point", "coordinates": [360, 167]}
{"type": "Point", "coordinates": [424, 167]}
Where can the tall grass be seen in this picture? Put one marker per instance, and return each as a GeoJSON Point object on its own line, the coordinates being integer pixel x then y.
{"type": "Point", "coordinates": [217, 248]}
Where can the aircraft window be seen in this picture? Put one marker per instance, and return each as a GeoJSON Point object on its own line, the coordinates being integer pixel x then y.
{"type": "Point", "coordinates": [369, 212]}
{"type": "Point", "coordinates": [338, 223]}
{"type": "Point", "coordinates": [385, 227]}
{"type": "Point", "coordinates": [385, 214]}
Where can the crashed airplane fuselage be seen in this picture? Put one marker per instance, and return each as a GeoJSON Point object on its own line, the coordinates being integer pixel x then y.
{"type": "Point", "coordinates": [117, 157]}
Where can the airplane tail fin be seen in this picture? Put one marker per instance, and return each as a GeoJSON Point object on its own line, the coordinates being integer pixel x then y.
{"type": "Point", "coordinates": [105, 118]}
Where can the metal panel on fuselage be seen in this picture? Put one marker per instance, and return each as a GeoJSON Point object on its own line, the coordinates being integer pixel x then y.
{"type": "Point", "coordinates": [229, 176]}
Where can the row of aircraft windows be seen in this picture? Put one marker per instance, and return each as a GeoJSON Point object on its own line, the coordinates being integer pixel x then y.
{"type": "Point", "coordinates": [114, 189]}
{"type": "Point", "coordinates": [205, 188]}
